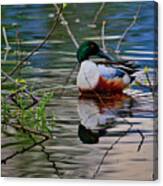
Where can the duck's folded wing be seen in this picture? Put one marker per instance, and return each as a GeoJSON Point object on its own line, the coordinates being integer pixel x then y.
{"type": "Point", "coordinates": [111, 73]}
{"type": "Point", "coordinates": [128, 66]}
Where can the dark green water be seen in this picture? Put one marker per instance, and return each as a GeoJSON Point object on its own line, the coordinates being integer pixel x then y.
{"type": "Point", "coordinates": [79, 121]}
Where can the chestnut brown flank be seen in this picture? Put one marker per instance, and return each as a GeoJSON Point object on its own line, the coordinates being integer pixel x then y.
{"type": "Point", "coordinates": [106, 86]}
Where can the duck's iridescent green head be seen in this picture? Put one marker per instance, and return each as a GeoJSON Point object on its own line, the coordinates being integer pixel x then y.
{"type": "Point", "coordinates": [88, 49]}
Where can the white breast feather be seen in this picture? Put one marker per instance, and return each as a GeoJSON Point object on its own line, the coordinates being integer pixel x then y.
{"type": "Point", "coordinates": [88, 75]}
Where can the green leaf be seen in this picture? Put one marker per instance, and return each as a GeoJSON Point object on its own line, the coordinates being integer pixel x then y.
{"type": "Point", "coordinates": [146, 82]}
{"type": "Point", "coordinates": [21, 81]}
{"type": "Point", "coordinates": [137, 83]}
{"type": "Point", "coordinates": [146, 70]}
{"type": "Point", "coordinates": [64, 5]}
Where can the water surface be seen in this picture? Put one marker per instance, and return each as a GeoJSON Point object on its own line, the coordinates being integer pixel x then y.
{"type": "Point", "coordinates": [90, 140]}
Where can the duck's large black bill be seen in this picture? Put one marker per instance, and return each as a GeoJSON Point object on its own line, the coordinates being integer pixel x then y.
{"type": "Point", "coordinates": [104, 55]}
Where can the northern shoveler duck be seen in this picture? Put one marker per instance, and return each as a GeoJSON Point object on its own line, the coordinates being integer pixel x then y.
{"type": "Point", "coordinates": [104, 79]}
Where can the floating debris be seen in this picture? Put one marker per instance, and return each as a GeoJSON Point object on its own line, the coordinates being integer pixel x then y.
{"type": "Point", "coordinates": [105, 37]}
{"type": "Point", "coordinates": [92, 25]}
{"type": "Point", "coordinates": [77, 20]}
{"type": "Point", "coordinates": [51, 15]}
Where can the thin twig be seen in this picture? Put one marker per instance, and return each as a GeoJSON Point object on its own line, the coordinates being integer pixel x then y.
{"type": "Point", "coordinates": [150, 84]}
{"type": "Point", "coordinates": [35, 99]}
{"type": "Point", "coordinates": [43, 149]}
{"type": "Point", "coordinates": [5, 39]}
{"type": "Point", "coordinates": [142, 140]}
{"type": "Point", "coordinates": [62, 90]}
{"type": "Point", "coordinates": [28, 130]}
{"type": "Point", "coordinates": [10, 78]}
{"type": "Point", "coordinates": [7, 48]}
{"type": "Point", "coordinates": [23, 150]}
{"type": "Point", "coordinates": [103, 36]}
{"type": "Point", "coordinates": [65, 23]}
{"type": "Point", "coordinates": [18, 48]}
{"type": "Point", "coordinates": [76, 44]}
{"type": "Point", "coordinates": [39, 46]}
{"type": "Point", "coordinates": [47, 154]}
{"type": "Point", "coordinates": [98, 13]}
{"type": "Point", "coordinates": [109, 149]}
{"type": "Point", "coordinates": [135, 17]}
{"type": "Point", "coordinates": [5, 55]}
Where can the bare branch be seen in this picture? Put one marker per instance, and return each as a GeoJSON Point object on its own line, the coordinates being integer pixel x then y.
{"type": "Point", "coordinates": [18, 46]}
{"type": "Point", "coordinates": [72, 37]}
{"type": "Point", "coordinates": [103, 35]}
{"type": "Point", "coordinates": [35, 99]}
{"type": "Point", "coordinates": [28, 130]}
{"type": "Point", "coordinates": [150, 84]}
{"type": "Point", "coordinates": [7, 48]}
{"type": "Point", "coordinates": [9, 77]}
{"type": "Point", "coordinates": [142, 140]}
{"type": "Point", "coordinates": [68, 79]}
{"type": "Point", "coordinates": [65, 23]}
{"type": "Point", "coordinates": [98, 13]}
{"type": "Point", "coordinates": [47, 154]}
{"type": "Point", "coordinates": [135, 17]}
{"type": "Point", "coordinates": [5, 39]}
{"type": "Point", "coordinates": [109, 149]}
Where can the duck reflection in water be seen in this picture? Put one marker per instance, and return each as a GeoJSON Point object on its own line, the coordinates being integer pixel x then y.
{"type": "Point", "coordinates": [97, 117]}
